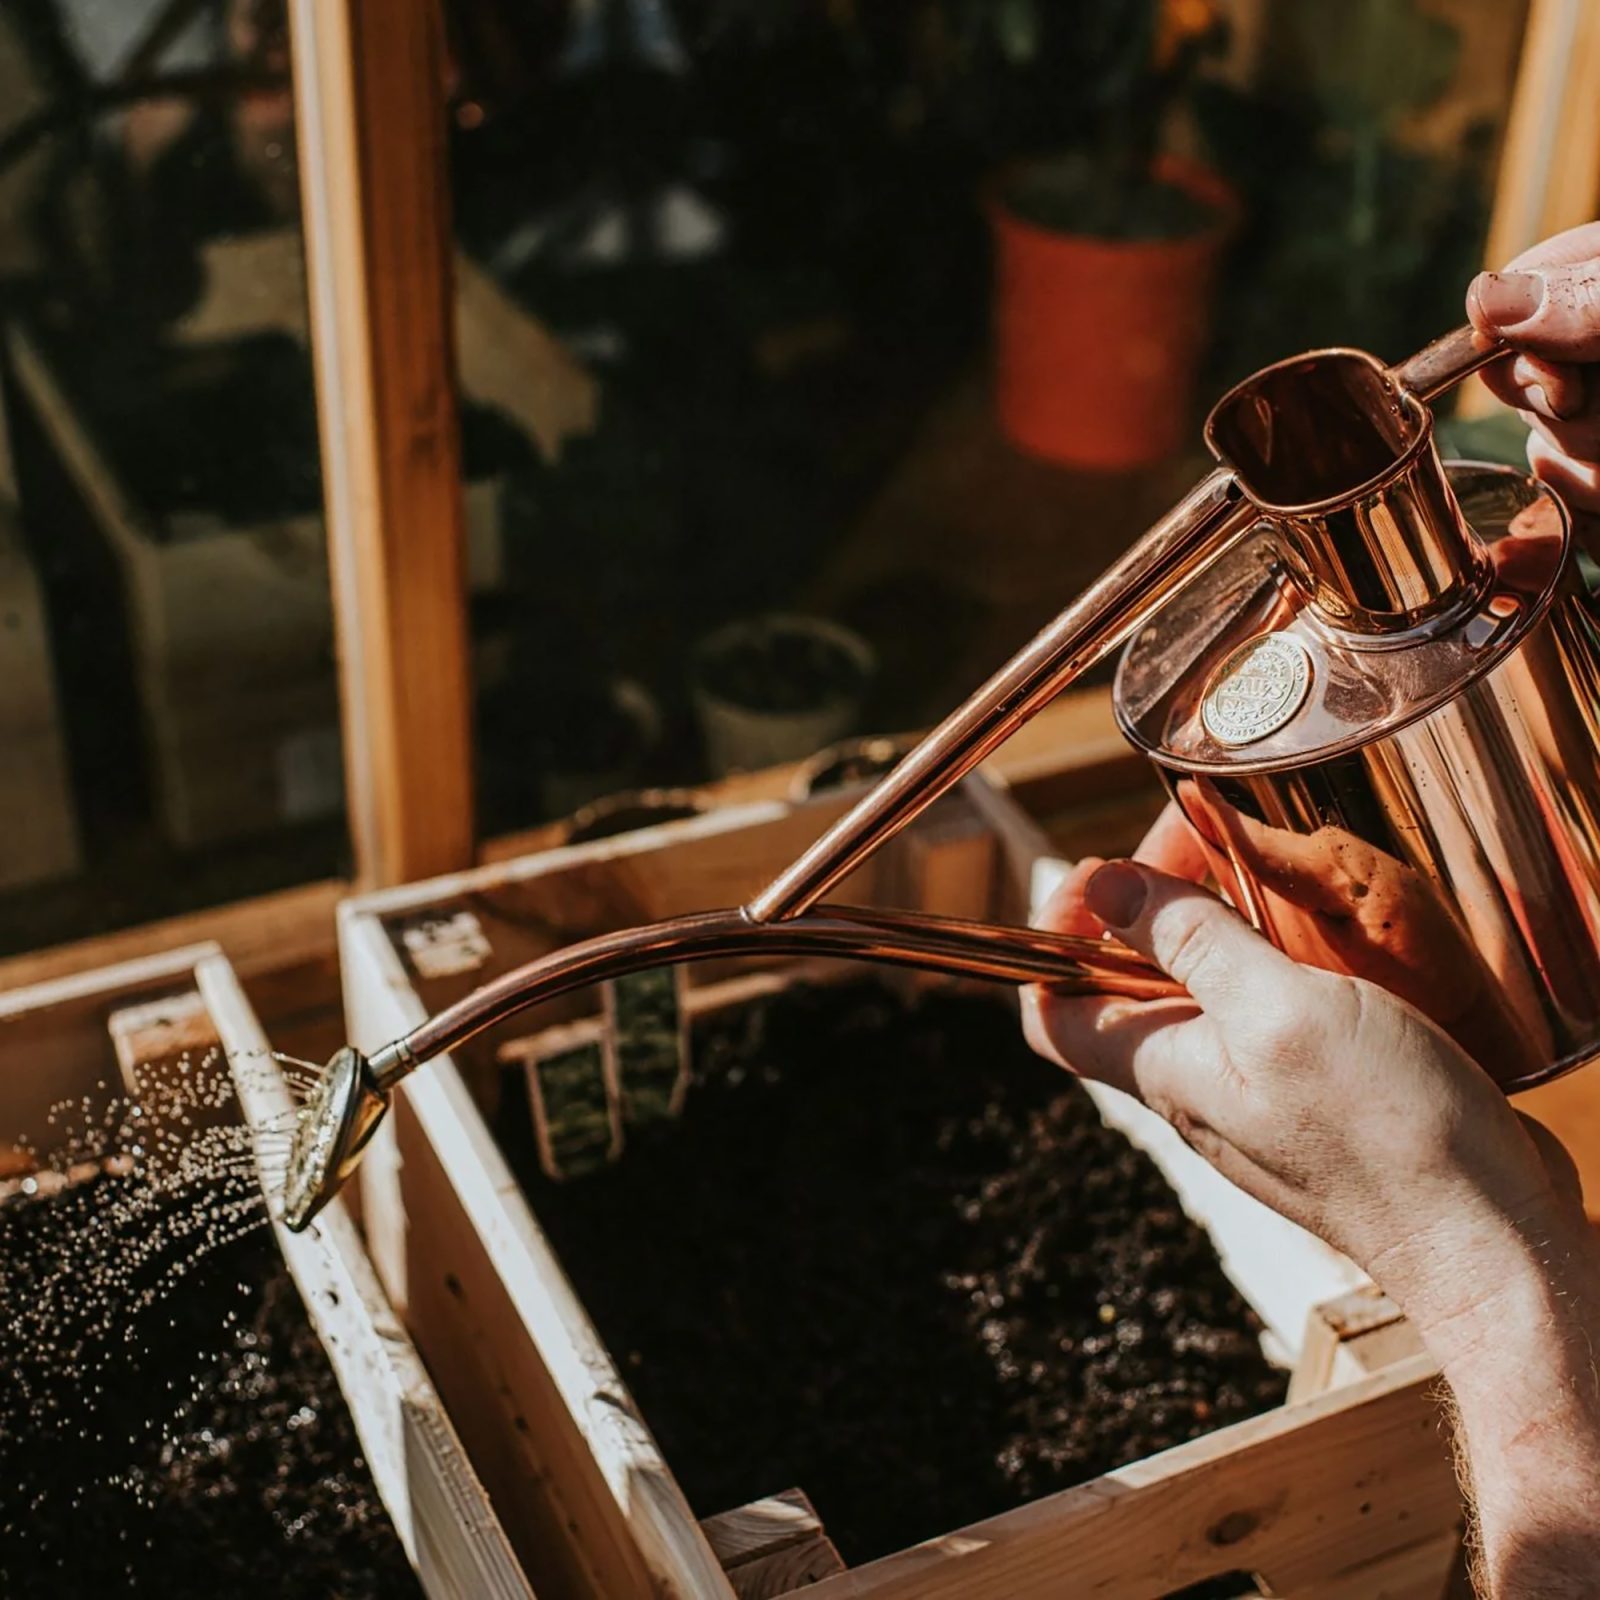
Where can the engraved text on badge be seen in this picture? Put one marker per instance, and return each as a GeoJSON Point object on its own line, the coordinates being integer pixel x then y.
{"type": "Point", "coordinates": [1257, 689]}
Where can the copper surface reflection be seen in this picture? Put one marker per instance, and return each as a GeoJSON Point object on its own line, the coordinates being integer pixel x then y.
{"type": "Point", "coordinates": [1454, 862]}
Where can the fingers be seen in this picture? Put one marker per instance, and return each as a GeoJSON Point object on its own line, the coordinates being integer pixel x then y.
{"type": "Point", "coordinates": [1127, 1043]}
{"type": "Point", "coordinates": [1172, 846]}
{"type": "Point", "coordinates": [1552, 311]}
{"type": "Point", "coordinates": [1064, 911]}
{"type": "Point", "coordinates": [1241, 980]}
{"type": "Point", "coordinates": [1556, 391]}
{"type": "Point", "coordinates": [1577, 482]}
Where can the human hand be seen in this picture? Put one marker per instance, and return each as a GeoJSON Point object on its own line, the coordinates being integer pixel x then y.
{"type": "Point", "coordinates": [1326, 1097]}
{"type": "Point", "coordinates": [1332, 899]}
{"type": "Point", "coordinates": [1546, 305]}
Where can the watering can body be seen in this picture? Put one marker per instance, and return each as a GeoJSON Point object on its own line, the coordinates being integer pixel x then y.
{"type": "Point", "coordinates": [1400, 781]}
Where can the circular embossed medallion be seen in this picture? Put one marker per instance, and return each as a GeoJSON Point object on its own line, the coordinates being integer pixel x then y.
{"type": "Point", "coordinates": [1257, 689]}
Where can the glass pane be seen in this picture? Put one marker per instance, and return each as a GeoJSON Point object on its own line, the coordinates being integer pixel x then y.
{"type": "Point", "coordinates": [899, 317]}
{"type": "Point", "coordinates": [168, 703]}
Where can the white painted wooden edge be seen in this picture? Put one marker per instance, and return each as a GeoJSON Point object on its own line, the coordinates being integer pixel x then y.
{"type": "Point", "coordinates": [1282, 1270]}
{"type": "Point", "coordinates": [439, 1509]}
{"type": "Point", "coordinates": [141, 972]}
{"type": "Point", "coordinates": [382, 1005]}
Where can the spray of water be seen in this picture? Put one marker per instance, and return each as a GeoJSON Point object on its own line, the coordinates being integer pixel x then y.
{"type": "Point", "coordinates": [133, 1258]}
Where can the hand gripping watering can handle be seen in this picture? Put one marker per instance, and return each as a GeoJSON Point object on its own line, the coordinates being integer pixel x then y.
{"type": "Point", "coordinates": [1437, 368]}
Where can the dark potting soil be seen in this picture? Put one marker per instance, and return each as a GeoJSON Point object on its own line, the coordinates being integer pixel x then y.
{"type": "Point", "coordinates": [208, 1453]}
{"type": "Point", "coordinates": [890, 1257]}
{"type": "Point", "coordinates": [781, 670]}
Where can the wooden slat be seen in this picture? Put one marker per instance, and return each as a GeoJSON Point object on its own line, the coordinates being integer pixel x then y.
{"type": "Point", "coordinates": [1549, 176]}
{"type": "Point", "coordinates": [1419, 1572]}
{"type": "Point", "coordinates": [1296, 1494]}
{"type": "Point", "coordinates": [544, 1414]}
{"type": "Point", "coordinates": [55, 1043]}
{"type": "Point", "coordinates": [1348, 1338]}
{"type": "Point", "coordinates": [438, 1506]}
{"type": "Point", "coordinates": [66, 1038]}
{"type": "Point", "coordinates": [773, 1547]}
{"type": "Point", "coordinates": [369, 92]}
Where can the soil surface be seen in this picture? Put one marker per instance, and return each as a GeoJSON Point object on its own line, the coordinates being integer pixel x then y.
{"type": "Point", "coordinates": [208, 1454]}
{"type": "Point", "coordinates": [890, 1257]}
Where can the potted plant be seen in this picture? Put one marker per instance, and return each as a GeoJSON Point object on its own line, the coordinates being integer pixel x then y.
{"type": "Point", "coordinates": [1106, 243]}
{"type": "Point", "coordinates": [777, 688]}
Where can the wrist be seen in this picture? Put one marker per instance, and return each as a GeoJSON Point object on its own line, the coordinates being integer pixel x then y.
{"type": "Point", "coordinates": [1520, 1366]}
{"type": "Point", "coordinates": [1477, 1284]}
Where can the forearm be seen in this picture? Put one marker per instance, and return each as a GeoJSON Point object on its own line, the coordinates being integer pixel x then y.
{"type": "Point", "coordinates": [1512, 1326]}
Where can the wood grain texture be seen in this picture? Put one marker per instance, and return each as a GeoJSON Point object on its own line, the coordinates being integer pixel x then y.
{"type": "Point", "coordinates": [1350, 1337]}
{"type": "Point", "coordinates": [438, 1506]}
{"type": "Point", "coordinates": [773, 1547]}
{"type": "Point", "coordinates": [370, 114]}
{"type": "Point", "coordinates": [1419, 1572]}
{"type": "Point", "coordinates": [1299, 1494]}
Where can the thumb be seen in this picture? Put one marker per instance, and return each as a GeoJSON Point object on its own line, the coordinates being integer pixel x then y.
{"type": "Point", "coordinates": [1242, 980]}
{"type": "Point", "coordinates": [1551, 311]}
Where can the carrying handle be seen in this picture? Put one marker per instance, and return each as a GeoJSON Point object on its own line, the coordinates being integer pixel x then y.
{"type": "Point", "coordinates": [1438, 367]}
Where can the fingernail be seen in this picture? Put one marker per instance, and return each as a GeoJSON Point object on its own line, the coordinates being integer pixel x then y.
{"type": "Point", "coordinates": [1507, 298]}
{"type": "Point", "coordinates": [1116, 894]}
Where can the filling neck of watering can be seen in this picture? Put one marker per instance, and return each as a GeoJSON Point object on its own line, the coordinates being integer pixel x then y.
{"type": "Point", "coordinates": [1343, 463]}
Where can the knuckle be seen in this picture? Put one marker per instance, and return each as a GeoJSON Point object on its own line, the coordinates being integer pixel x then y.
{"type": "Point", "coordinates": [1193, 1129]}
{"type": "Point", "coordinates": [1303, 1015]}
{"type": "Point", "coordinates": [1184, 942]}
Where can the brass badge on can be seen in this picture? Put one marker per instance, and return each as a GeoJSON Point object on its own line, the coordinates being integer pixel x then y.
{"type": "Point", "coordinates": [1257, 689]}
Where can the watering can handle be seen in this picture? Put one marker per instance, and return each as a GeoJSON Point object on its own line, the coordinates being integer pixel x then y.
{"type": "Point", "coordinates": [1440, 366]}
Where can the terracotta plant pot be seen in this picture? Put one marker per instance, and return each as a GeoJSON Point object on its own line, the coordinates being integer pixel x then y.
{"type": "Point", "coordinates": [1097, 341]}
{"type": "Point", "coordinates": [777, 688]}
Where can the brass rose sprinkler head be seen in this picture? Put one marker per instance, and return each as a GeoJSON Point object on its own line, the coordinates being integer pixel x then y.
{"type": "Point", "coordinates": [1338, 424]}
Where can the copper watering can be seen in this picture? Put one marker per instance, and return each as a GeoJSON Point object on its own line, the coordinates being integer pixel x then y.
{"type": "Point", "coordinates": [1372, 683]}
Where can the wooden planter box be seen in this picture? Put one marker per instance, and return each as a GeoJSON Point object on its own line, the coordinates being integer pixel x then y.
{"type": "Point", "coordinates": [1346, 1491]}
{"type": "Point", "coordinates": [72, 1038]}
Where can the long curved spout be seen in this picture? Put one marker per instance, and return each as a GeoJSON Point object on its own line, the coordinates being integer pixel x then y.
{"type": "Point", "coordinates": [355, 1090]}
